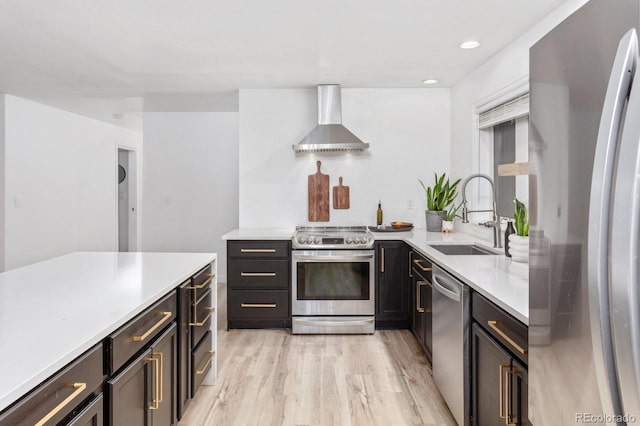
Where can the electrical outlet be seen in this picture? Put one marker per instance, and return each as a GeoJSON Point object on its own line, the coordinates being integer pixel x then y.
{"type": "Point", "coordinates": [410, 204]}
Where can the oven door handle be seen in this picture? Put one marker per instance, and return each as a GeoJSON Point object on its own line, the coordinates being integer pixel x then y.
{"type": "Point", "coordinates": [324, 258]}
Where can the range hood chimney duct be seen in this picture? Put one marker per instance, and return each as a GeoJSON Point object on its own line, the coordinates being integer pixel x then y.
{"type": "Point", "coordinates": [330, 134]}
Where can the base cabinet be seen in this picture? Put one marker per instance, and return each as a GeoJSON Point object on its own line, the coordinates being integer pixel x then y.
{"type": "Point", "coordinates": [91, 415]}
{"type": "Point", "coordinates": [499, 381]}
{"type": "Point", "coordinates": [144, 393]}
{"type": "Point", "coordinates": [392, 284]}
{"type": "Point", "coordinates": [421, 301]}
{"type": "Point", "coordinates": [259, 284]}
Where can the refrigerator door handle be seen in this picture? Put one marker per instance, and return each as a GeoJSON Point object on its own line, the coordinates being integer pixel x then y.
{"type": "Point", "coordinates": [620, 79]}
{"type": "Point", "coordinates": [624, 242]}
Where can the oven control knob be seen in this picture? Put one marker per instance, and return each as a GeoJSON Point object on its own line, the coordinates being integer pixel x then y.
{"type": "Point", "coordinates": [348, 240]}
{"type": "Point", "coordinates": [317, 240]}
{"type": "Point", "coordinates": [302, 240]}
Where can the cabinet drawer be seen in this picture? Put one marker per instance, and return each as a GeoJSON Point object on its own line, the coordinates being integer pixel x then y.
{"type": "Point", "coordinates": [421, 265]}
{"type": "Point", "coordinates": [258, 304]}
{"type": "Point", "coordinates": [265, 274]}
{"type": "Point", "coordinates": [91, 415]}
{"type": "Point", "coordinates": [202, 279]}
{"type": "Point", "coordinates": [58, 396]}
{"type": "Point", "coordinates": [201, 318]}
{"type": "Point", "coordinates": [201, 361]}
{"type": "Point", "coordinates": [141, 330]}
{"type": "Point", "coordinates": [257, 249]}
{"type": "Point", "coordinates": [511, 333]}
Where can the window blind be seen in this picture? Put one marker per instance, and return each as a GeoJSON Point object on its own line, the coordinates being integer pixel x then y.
{"type": "Point", "coordinates": [514, 108]}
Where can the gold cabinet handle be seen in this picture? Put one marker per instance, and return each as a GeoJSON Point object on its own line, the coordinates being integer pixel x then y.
{"type": "Point", "coordinates": [79, 387]}
{"type": "Point", "coordinates": [201, 323]}
{"type": "Point", "coordinates": [257, 274]}
{"type": "Point", "coordinates": [501, 398]}
{"type": "Point", "coordinates": [250, 250]}
{"type": "Point", "coordinates": [165, 317]}
{"type": "Point", "coordinates": [418, 263]}
{"type": "Point", "coordinates": [156, 393]}
{"type": "Point", "coordinates": [382, 259]}
{"type": "Point", "coordinates": [494, 326]}
{"type": "Point", "coordinates": [204, 369]}
{"type": "Point", "coordinates": [203, 285]}
{"type": "Point", "coordinates": [161, 374]}
{"type": "Point", "coordinates": [418, 285]}
{"type": "Point", "coordinates": [258, 305]}
{"type": "Point", "coordinates": [410, 257]}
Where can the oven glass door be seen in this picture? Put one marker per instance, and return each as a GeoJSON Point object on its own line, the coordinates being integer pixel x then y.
{"type": "Point", "coordinates": [330, 282]}
{"type": "Point", "coordinates": [333, 281]}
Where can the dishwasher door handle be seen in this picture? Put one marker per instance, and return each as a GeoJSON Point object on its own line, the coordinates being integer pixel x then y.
{"type": "Point", "coordinates": [451, 294]}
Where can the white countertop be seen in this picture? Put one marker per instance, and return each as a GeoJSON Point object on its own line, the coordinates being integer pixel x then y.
{"type": "Point", "coordinates": [53, 311]}
{"type": "Point", "coordinates": [498, 278]}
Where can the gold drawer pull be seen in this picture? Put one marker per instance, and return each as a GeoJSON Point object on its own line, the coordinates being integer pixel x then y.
{"type": "Point", "coordinates": [79, 387]}
{"type": "Point", "coordinates": [494, 326]}
{"type": "Point", "coordinates": [266, 250]}
{"type": "Point", "coordinates": [165, 317]}
{"type": "Point", "coordinates": [258, 305]}
{"type": "Point", "coordinates": [204, 369]}
{"type": "Point", "coordinates": [201, 323]}
{"type": "Point", "coordinates": [418, 263]}
{"type": "Point", "coordinates": [257, 274]}
{"type": "Point", "coordinates": [203, 285]}
{"type": "Point", "coordinates": [382, 260]}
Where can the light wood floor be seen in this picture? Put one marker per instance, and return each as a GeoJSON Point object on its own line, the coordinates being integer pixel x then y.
{"type": "Point", "coordinates": [271, 377]}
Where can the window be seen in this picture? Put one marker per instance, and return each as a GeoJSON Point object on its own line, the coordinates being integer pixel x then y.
{"type": "Point", "coordinates": [503, 139]}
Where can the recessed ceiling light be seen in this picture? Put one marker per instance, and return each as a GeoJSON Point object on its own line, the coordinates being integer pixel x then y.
{"type": "Point", "coordinates": [430, 81]}
{"type": "Point", "coordinates": [470, 44]}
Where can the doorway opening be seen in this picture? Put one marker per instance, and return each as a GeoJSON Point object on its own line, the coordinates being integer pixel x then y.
{"type": "Point", "coordinates": [127, 196]}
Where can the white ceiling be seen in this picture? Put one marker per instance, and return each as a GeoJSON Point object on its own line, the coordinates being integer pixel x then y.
{"type": "Point", "coordinates": [98, 58]}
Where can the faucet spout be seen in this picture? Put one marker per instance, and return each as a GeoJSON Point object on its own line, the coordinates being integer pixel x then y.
{"type": "Point", "coordinates": [495, 224]}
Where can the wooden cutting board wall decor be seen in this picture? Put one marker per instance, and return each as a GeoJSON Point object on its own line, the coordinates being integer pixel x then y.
{"type": "Point", "coordinates": [319, 196]}
{"type": "Point", "coordinates": [340, 196]}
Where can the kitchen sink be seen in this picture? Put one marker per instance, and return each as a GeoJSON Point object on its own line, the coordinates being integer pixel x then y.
{"type": "Point", "coordinates": [462, 249]}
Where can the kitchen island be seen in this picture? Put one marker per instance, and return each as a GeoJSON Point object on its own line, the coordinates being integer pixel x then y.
{"type": "Point", "coordinates": [53, 311]}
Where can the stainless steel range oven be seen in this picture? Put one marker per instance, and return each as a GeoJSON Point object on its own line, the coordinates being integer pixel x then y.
{"type": "Point", "coordinates": [332, 281]}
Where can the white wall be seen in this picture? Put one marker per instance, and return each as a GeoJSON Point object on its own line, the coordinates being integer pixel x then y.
{"type": "Point", "coordinates": [190, 182]}
{"type": "Point", "coordinates": [507, 69]}
{"type": "Point", "coordinates": [60, 182]}
{"type": "Point", "coordinates": [408, 130]}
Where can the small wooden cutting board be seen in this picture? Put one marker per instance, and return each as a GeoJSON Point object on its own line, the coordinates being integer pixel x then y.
{"type": "Point", "coordinates": [340, 196]}
{"type": "Point", "coordinates": [318, 196]}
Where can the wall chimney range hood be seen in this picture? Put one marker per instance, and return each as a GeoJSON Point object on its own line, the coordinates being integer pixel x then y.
{"type": "Point", "coordinates": [330, 134]}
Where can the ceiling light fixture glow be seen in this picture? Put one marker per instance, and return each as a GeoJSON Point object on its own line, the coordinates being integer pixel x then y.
{"type": "Point", "coordinates": [430, 81]}
{"type": "Point", "coordinates": [470, 44]}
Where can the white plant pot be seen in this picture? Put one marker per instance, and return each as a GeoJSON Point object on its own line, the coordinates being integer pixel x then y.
{"type": "Point", "coordinates": [447, 225]}
{"type": "Point", "coordinates": [519, 248]}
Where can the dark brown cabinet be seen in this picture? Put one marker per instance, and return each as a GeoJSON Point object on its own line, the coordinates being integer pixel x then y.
{"type": "Point", "coordinates": [91, 415]}
{"type": "Point", "coordinates": [421, 301]}
{"type": "Point", "coordinates": [392, 284]}
{"type": "Point", "coordinates": [144, 392]}
{"type": "Point", "coordinates": [62, 396]}
{"type": "Point", "coordinates": [259, 284]}
{"type": "Point", "coordinates": [499, 389]}
{"type": "Point", "coordinates": [196, 314]}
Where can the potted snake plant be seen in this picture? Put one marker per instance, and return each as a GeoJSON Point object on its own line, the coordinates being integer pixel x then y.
{"type": "Point", "coordinates": [439, 197]}
{"type": "Point", "coordinates": [519, 242]}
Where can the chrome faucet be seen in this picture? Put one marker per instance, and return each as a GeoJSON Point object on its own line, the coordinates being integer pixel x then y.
{"type": "Point", "coordinates": [495, 224]}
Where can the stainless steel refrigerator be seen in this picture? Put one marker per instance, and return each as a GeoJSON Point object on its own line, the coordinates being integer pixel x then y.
{"type": "Point", "coordinates": [584, 157]}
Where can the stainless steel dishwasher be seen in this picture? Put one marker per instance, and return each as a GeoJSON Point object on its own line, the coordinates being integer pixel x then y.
{"type": "Point", "coordinates": [450, 341]}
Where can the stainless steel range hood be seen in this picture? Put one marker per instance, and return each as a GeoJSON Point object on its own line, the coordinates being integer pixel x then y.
{"type": "Point", "coordinates": [330, 134]}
